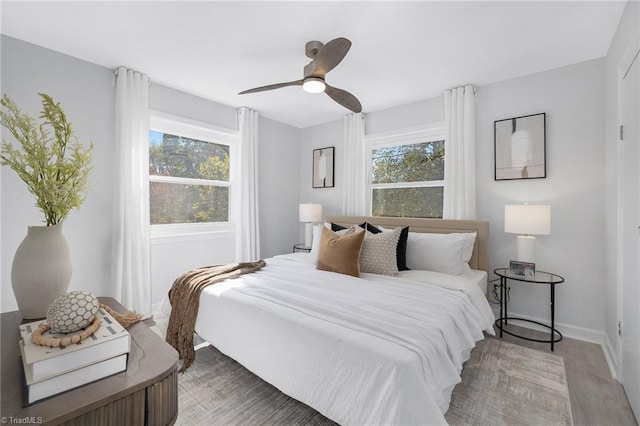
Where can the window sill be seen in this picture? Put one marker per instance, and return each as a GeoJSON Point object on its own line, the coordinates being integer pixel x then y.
{"type": "Point", "coordinates": [191, 232]}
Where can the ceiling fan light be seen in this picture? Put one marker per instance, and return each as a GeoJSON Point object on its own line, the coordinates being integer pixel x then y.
{"type": "Point", "coordinates": [313, 85]}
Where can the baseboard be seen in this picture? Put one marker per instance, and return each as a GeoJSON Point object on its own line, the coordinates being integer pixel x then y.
{"type": "Point", "coordinates": [573, 332]}
{"type": "Point", "coordinates": [610, 356]}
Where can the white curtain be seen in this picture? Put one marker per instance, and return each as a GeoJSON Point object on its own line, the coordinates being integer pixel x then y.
{"type": "Point", "coordinates": [354, 166]}
{"type": "Point", "coordinates": [248, 226]}
{"type": "Point", "coordinates": [460, 154]}
{"type": "Point", "coordinates": [130, 263]}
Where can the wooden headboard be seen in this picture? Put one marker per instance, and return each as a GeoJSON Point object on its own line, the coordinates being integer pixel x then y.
{"type": "Point", "coordinates": [480, 258]}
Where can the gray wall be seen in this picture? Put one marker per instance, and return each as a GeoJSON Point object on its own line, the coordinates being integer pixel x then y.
{"type": "Point", "coordinates": [87, 94]}
{"type": "Point", "coordinates": [279, 176]}
{"type": "Point", "coordinates": [331, 134]}
{"type": "Point", "coordinates": [321, 136]}
{"type": "Point", "coordinates": [573, 98]}
{"type": "Point", "coordinates": [278, 192]}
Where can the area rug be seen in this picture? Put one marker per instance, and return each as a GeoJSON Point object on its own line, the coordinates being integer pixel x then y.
{"type": "Point", "coordinates": [502, 384]}
{"type": "Point", "coordinates": [507, 384]}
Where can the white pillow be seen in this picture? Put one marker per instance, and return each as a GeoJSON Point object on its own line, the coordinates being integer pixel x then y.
{"type": "Point", "coordinates": [468, 247]}
{"type": "Point", "coordinates": [447, 253]}
{"type": "Point", "coordinates": [315, 242]}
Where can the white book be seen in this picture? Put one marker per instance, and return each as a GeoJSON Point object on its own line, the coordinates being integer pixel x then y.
{"type": "Point", "coordinates": [35, 391]}
{"type": "Point", "coordinates": [42, 362]}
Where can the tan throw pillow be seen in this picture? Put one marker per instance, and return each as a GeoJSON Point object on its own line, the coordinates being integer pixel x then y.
{"type": "Point", "coordinates": [340, 254]}
{"type": "Point", "coordinates": [379, 253]}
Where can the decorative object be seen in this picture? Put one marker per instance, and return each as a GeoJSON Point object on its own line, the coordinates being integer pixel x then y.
{"type": "Point", "coordinates": [340, 253]}
{"type": "Point", "coordinates": [309, 214]}
{"type": "Point", "coordinates": [72, 311]}
{"type": "Point", "coordinates": [55, 167]}
{"type": "Point", "coordinates": [146, 391]}
{"type": "Point", "coordinates": [527, 220]}
{"type": "Point", "coordinates": [522, 269]}
{"type": "Point", "coordinates": [323, 165]}
{"type": "Point", "coordinates": [378, 254]}
{"type": "Point", "coordinates": [36, 336]}
{"type": "Point", "coordinates": [41, 270]}
{"type": "Point", "coordinates": [61, 317]}
{"type": "Point", "coordinates": [184, 296]}
{"type": "Point", "coordinates": [520, 151]}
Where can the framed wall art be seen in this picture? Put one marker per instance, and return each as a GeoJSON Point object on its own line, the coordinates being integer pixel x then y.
{"type": "Point", "coordinates": [520, 147]}
{"type": "Point", "coordinates": [323, 164]}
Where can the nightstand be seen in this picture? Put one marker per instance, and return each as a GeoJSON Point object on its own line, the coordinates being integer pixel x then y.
{"type": "Point", "coordinates": [145, 394]}
{"type": "Point", "coordinates": [539, 278]}
{"type": "Point", "coordinates": [300, 247]}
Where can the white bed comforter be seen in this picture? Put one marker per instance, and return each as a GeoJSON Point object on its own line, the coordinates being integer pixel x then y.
{"type": "Point", "coordinates": [362, 351]}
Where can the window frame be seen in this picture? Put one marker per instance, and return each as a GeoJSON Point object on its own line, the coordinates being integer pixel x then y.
{"type": "Point", "coordinates": [207, 132]}
{"type": "Point", "coordinates": [431, 132]}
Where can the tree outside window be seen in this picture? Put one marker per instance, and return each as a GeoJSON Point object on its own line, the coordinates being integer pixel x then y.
{"type": "Point", "coordinates": [408, 180]}
{"type": "Point", "coordinates": [188, 178]}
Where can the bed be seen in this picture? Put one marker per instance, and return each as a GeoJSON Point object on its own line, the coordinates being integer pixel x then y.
{"type": "Point", "coordinates": [370, 350]}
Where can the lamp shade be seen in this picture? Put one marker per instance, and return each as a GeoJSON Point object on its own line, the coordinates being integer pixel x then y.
{"type": "Point", "coordinates": [527, 219]}
{"type": "Point", "coordinates": [310, 212]}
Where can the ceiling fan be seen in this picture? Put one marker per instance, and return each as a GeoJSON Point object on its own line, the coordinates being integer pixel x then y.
{"type": "Point", "coordinates": [324, 58]}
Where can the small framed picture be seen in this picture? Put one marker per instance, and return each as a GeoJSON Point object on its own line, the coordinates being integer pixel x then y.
{"type": "Point", "coordinates": [323, 164]}
{"type": "Point", "coordinates": [522, 269]}
{"type": "Point", "coordinates": [520, 147]}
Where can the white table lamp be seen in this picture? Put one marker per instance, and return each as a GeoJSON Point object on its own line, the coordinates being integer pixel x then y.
{"type": "Point", "coordinates": [310, 214]}
{"type": "Point", "coordinates": [527, 220]}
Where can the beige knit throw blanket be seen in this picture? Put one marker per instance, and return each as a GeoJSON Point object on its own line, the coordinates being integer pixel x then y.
{"type": "Point", "coordinates": [185, 299]}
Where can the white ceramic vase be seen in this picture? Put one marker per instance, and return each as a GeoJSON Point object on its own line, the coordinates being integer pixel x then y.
{"type": "Point", "coordinates": [41, 270]}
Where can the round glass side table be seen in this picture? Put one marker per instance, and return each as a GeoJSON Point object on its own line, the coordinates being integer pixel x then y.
{"type": "Point", "coordinates": [538, 278]}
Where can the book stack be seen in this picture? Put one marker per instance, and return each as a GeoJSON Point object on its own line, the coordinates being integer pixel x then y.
{"type": "Point", "coordinates": [49, 371]}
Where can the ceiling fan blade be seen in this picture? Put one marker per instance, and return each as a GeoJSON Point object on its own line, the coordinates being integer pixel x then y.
{"type": "Point", "coordinates": [344, 98]}
{"type": "Point", "coordinates": [272, 86]}
{"type": "Point", "coordinates": [330, 55]}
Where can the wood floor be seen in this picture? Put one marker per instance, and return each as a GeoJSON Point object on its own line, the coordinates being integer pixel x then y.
{"type": "Point", "coordinates": [596, 398]}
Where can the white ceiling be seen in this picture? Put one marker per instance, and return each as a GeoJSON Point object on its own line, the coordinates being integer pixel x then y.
{"type": "Point", "coordinates": [402, 51]}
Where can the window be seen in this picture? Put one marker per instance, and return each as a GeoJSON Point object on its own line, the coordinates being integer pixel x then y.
{"type": "Point", "coordinates": [190, 169]}
{"type": "Point", "coordinates": [406, 175]}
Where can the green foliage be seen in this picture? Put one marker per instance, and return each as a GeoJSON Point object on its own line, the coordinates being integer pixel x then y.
{"type": "Point", "coordinates": [50, 160]}
{"type": "Point", "coordinates": [177, 156]}
{"type": "Point", "coordinates": [421, 162]}
{"type": "Point", "coordinates": [213, 202]}
{"type": "Point", "coordinates": [408, 202]}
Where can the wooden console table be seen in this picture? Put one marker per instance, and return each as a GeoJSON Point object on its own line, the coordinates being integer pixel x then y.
{"type": "Point", "coordinates": [145, 394]}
